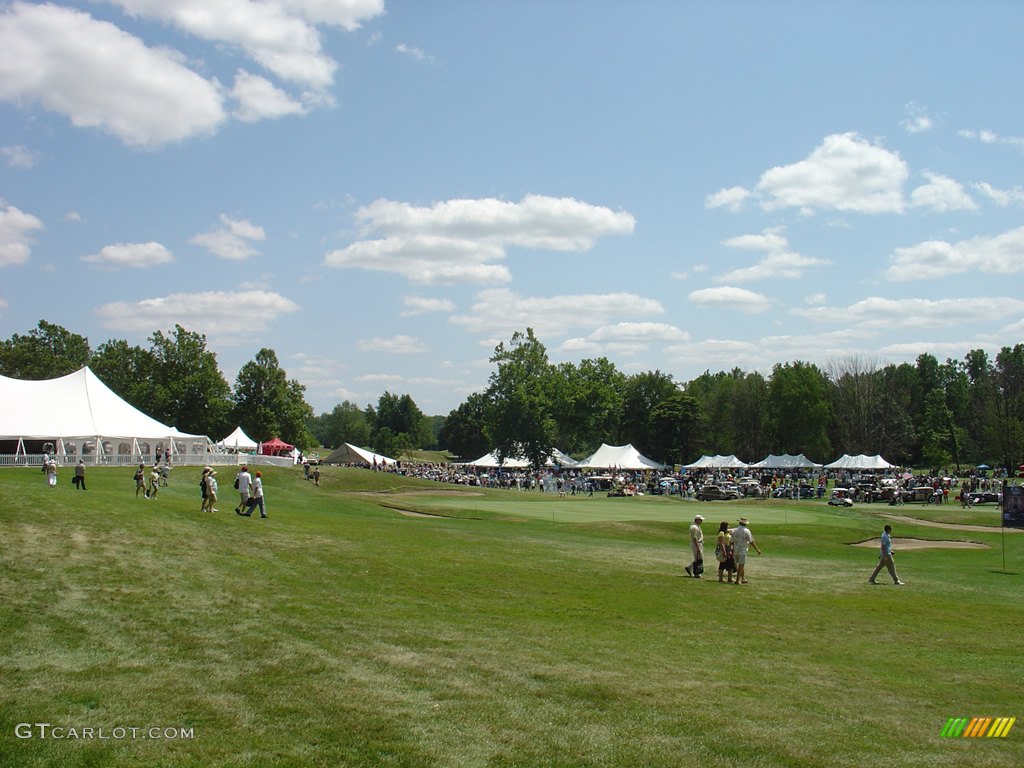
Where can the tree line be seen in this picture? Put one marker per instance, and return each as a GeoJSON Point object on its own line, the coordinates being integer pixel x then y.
{"type": "Point", "coordinates": [920, 414]}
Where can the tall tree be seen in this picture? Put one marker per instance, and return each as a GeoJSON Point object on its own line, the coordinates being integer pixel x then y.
{"type": "Point", "coordinates": [673, 425]}
{"type": "Point", "coordinates": [520, 419]}
{"type": "Point", "coordinates": [464, 432]}
{"type": "Point", "coordinates": [45, 352]}
{"type": "Point", "coordinates": [641, 392]}
{"type": "Point", "coordinates": [268, 404]}
{"type": "Point", "coordinates": [401, 423]}
{"type": "Point", "coordinates": [190, 393]}
{"type": "Point", "coordinates": [588, 399]}
{"type": "Point", "coordinates": [1010, 378]}
{"type": "Point", "coordinates": [130, 371]}
{"type": "Point", "coordinates": [346, 423]}
{"type": "Point", "coordinates": [799, 409]}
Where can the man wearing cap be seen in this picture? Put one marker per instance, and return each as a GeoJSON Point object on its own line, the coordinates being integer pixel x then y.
{"type": "Point", "coordinates": [696, 568]}
{"type": "Point", "coordinates": [741, 539]}
{"type": "Point", "coordinates": [242, 482]}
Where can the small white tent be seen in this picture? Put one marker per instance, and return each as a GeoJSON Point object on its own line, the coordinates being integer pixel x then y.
{"type": "Point", "coordinates": [238, 441]}
{"type": "Point", "coordinates": [716, 462]}
{"type": "Point", "coordinates": [490, 461]}
{"type": "Point", "coordinates": [785, 461]}
{"type": "Point", "coordinates": [618, 457]}
{"type": "Point", "coordinates": [861, 461]}
{"type": "Point", "coordinates": [352, 454]}
{"type": "Point", "coordinates": [84, 418]}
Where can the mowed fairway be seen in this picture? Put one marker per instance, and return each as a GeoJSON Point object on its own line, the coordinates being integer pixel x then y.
{"type": "Point", "coordinates": [504, 629]}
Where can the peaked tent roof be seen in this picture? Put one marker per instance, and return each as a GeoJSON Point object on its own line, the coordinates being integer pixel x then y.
{"type": "Point", "coordinates": [717, 462]}
{"type": "Point", "coordinates": [352, 454]}
{"type": "Point", "coordinates": [785, 461]}
{"type": "Point", "coordinates": [275, 446]}
{"type": "Point", "coordinates": [238, 439]}
{"type": "Point", "coordinates": [78, 405]}
{"type": "Point", "coordinates": [518, 462]}
{"type": "Point", "coordinates": [618, 457]}
{"type": "Point", "coordinates": [860, 461]}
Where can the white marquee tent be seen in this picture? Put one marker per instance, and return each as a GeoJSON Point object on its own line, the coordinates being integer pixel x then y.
{"type": "Point", "coordinates": [83, 418]}
{"type": "Point", "coordinates": [238, 441]}
{"type": "Point", "coordinates": [860, 461]}
{"type": "Point", "coordinates": [717, 462]}
{"type": "Point", "coordinates": [618, 457]}
{"type": "Point", "coordinates": [490, 460]}
{"type": "Point", "coordinates": [353, 454]}
{"type": "Point", "coordinates": [785, 461]}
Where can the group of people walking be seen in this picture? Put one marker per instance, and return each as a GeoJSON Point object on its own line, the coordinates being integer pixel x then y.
{"type": "Point", "coordinates": [731, 547]}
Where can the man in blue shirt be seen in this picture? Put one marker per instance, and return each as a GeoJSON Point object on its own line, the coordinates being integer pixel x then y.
{"type": "Point", "coordinates": [885, 559]}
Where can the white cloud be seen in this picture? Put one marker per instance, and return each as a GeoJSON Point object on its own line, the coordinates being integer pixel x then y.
{"type": "Point", "coordinates": [457, 241]}
{"type": "Point", "coordinates": [1001, 197]}
{"type": "Point", "coordinates": [15, 235]}
{"type": "Point", "coordinates": [413, 52]}
{"type": "Point", "coordinates": [991, 137]}
{"type": "Point", "coordinates": [732, 198]}
{"type": "Point", "coordinates": [879, 313]}
{"type": "Point", "coordinates": [421, 305]}
{"type": "Point", "coordinates": [347, 14]}
{"type": "Point", "coordinates": [625, 338]}
{"type": "Point", "coordinates": [942, 194]}
{"type": "Point", "coordinates": [259, 99]}
{"type": "Point", "coordinates": [101, 77]}
{"type": "Point", "coordinates": [778, 262]}
{"type": "Point", "coordinates": [845, 173]}
{"type": "Point", "coordinates": [130, 255]}
{"type": "Point", "coordinates": [18, 156]}
{"type": "Point", "coordinates": [729, 297]}
{"type": "Point", "coordinates": [224, 317]}
{"type": "Point", "coordinates": [426, 259]}
{"type": "Point", "coordinates": [498, 312]}
{"type": "Point", "coordinates": [233, 240]}
{"type": "Point", "coordinates": [937, 258]}
{"type": "Point", "coordinates": [397, 345]}
{"type": "Point", "coordinates": [917, 120]}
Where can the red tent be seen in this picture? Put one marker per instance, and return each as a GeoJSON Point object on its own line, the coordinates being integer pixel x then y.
{"type": "Point", "coordinates": [275, 447]}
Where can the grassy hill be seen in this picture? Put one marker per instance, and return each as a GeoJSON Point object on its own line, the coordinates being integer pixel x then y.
{"type": "Point", "coordinates": [378, 621]}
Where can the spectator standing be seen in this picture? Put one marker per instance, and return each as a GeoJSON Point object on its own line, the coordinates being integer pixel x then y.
{"type": "Point", "coordinates": [211, 490]}
{"type": "Point", "coordinates": [723, 552]}
{"type": "Point", "coordinates": [140, 481]}
{"type": "Point", "coordinates": [80, 475]}
{"type": "Point", "coordinates": [696, 568]}
{"type": "Point", "coordinates": [742, 538]}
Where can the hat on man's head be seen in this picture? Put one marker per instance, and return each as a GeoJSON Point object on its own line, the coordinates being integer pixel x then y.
{"type": "Point", "coordinates": [699, 518]}
{"type": "Point", "coordinates": [743, 521]}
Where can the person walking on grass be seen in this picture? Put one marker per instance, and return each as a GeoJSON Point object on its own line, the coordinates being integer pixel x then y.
{"type": "Point", "coordinates": [723, 552]}
{"type": "Point", "coordinates": [742, 538]}
{"type": "Point", "coordinates": [885, 558]}
{"type": "Point", "coordinates": [80, 475]}
{"type": "Point", "coordinates": [243, 481]}
{"type": "Point", "coordinates": [256, 497]}
{"type": "Point", "coordinates": [211, 491]}
{"type": "Point", "coordinates": [140, 481]}
{"type": "Point", "coordinates": [696, 568]}
{"type": "Point", "coordinates": [154, 482]}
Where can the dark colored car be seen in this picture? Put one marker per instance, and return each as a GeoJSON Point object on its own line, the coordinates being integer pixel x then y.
{"type": "Point", "coordinates": [717, 493]}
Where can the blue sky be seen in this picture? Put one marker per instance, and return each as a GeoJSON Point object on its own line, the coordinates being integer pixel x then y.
{"type": "Point", "coordinates": [381, 192]}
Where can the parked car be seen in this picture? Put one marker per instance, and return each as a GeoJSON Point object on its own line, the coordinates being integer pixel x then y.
{"type": "Point", "coordinates": [985, 497]}
{"type": "Point", "coordinates": [717, 493]}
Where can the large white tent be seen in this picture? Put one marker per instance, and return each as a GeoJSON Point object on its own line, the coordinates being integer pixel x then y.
{"type": "Point", "coordinates": [353, 454]}
{"type": "Point", "coordinates": [785, 461]}
{"type": "Point", "coordinates": [491, 461]}
{"type": "Point", "coordinates": [238, 441]}
{"type": "Point", "coordinates": [83, 418]}
{"type": "Point", "coordinates": [860, 461]}
{"type": "Point", "coordinates": [618, 457]}
{"type": "Point", "coordinates": [717, 462]}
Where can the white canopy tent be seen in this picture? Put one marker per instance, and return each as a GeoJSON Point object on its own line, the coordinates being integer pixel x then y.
{"type": "Point", "coordinates": [785, 461]}
{"type": "Point", "coordinates": [353, 454]}
{"type": "Point", "coordinates": [618, 457]}
{"type": "Point", "coordinates": [717, 462]}
{"type": "Point", "coordinates": [83, 418]}
{"type": "Point", "coordinates": [490, 461]}
{"type": "Point", "coordinates": [238, 441]}
{"type": "Point", "coordinates": [861, 461]}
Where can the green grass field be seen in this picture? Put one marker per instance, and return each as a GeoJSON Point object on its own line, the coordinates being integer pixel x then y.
{"type": "Point", "coordinates": [501, 629]}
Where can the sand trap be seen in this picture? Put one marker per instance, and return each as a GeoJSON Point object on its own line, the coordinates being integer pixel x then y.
{"type": "Point", "coordinates": [952, 526]}
{"type": "Point", "coordinates": [905, 544]}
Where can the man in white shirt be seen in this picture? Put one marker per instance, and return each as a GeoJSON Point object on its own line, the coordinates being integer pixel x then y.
{"type": "Point", "coordinates": [242, 482]}
{"type": "Point", "coordinates": [742, 537]}
{"type": "Point", "coordinates": [885, 558]}
{"type": "Point", "coordinates": [696, 568]}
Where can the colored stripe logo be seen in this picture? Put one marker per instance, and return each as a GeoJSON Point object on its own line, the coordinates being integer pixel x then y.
{"type": "Point", "coordinates": [977, 727]}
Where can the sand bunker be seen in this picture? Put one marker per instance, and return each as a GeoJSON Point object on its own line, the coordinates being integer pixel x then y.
{"type": "Point", "coordinates": [952, 526]}
{"type": "Point", "coordinates": [905, 544]}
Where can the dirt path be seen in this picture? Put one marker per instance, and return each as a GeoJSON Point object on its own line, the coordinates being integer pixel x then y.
{"type": "Point", "coordinates": [905, 544]}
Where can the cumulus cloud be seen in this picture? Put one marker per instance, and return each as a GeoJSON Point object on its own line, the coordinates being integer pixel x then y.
{"type": "Point", "coordinates": [499, 312]}
{"type": "Point", "coordinates": [232, 240]}
{"type": "Point", "coordinates": [730, 297]}
{"type": "Point", "coordinates": [624, 338]}
{"type": "Point", "coordinates": [420, 305]}
{"type": "Point", "coordinates": [130, 255]}
{"type": "Point", "coordinates": [991, 137]}
{"type": "Point", "coordinates": [259, 99]}
{"type": "Point", "coordinates": [101, 77]}
{"type": "Point", "coordinates": [16, 228]}
{"type": "Point", "coordinates": [916, 120]}
{"type": "Point", "coordinates": [879, 313]}
{"type": "Point", "coordinates": [18, 156]}
{"type": "Point", "coordinates": [1001, 197]}
{"type": "Point", "coordinates": [845, 173]}
{"type": "Point", "coordinates": [224, 317]}
{"type": "Point", "coordinates": [778, 262]}
{"type": "Point", "coordinates": [457, 241]}
{"type": "Point", "coordinates": [732, 198]}
{"type": "Point", "coordinates": [933, 259]}
{"type": "Point", "coordinates": [396, 345]}
{"type": "Point", "coordinates": [942, 194]}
